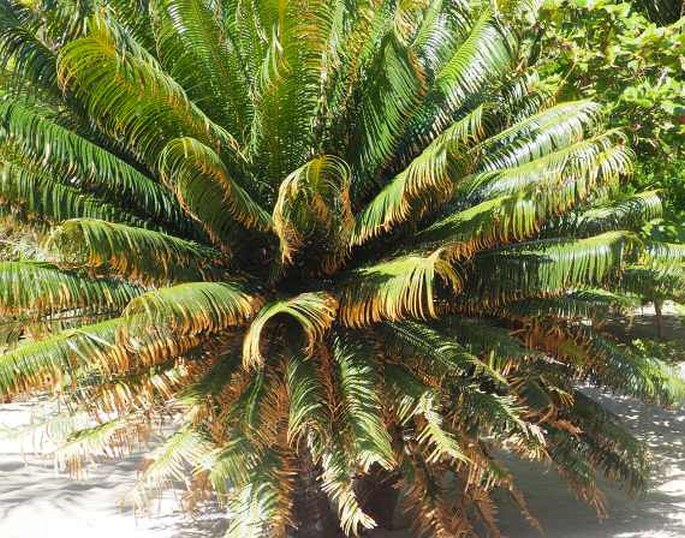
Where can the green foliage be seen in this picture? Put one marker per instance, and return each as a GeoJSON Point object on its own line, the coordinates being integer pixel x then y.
{"type": "Point", "coordinates": [628, 55]}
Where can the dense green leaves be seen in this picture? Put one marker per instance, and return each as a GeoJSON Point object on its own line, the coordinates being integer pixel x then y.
{"type": "Point", "coordinates": [141, 254]}
{"type": "Point", "coordinates": [36, 288]}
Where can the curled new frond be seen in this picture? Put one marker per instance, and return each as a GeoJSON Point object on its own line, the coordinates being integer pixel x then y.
{"type": "Point", "coordinates": [314, 312]}
{"type": "Point", "coordinates": [313, 206]}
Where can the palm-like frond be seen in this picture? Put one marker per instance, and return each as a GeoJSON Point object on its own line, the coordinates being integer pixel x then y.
{"type": "Point", "coordinates": [142, 254]}
{"type": "Point", "coordinates": [361, 404]}
{"type": "Point", "coordinates": [204, 186]}
{"type": "Point", "coordinates": [399, 288]}
{"type": "Point", "coordinates": [197, 51]}
{"type": "Point", "coordinates": [425, 183]}
{"type": "Point", "coordinates": [627, 214]}
{"type": "Point", "coordinates": [313, 206]}
{"type": "Point", "coordinates": [124, 89]}
{"type": "Point", "coordinates": [314, 312]}
{"type": "Point", "coordinates": [41, 289]}
{"type": "Point", "coordinates": [64, 153]}
{"type": "Point", "coordinates": [548, 267]}
{"type": "Point", "coordinates": [32, 59]}
{"type": "Point", "coordinates": [194, 308]}
{"type": "Point", "coordinates": [36, 193]}
{"type": "Point", "coordinates": [340, 242]}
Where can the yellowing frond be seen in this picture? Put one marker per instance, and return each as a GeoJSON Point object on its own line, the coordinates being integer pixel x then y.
{"type": "Point", "coordinates": [314, 312]}
{"type": "Point", "coordinates": [194, 308]}
{"type": "Point", "coordinates": [140, 254]}
{"type": "Point", "coordinates": [313, 205]}
{"type": "Point", "coordinates": [397, 289]}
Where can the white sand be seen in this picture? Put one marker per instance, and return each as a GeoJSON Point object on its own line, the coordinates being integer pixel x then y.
{"type": "Point", "coordinates": [35, 500]}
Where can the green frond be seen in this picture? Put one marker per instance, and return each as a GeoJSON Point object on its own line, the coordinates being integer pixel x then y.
{"type": "Point", "coordinates": [485, 55]}
{"type": "Point", "coordinates": [612, 448]}
{"type": "Point", "coordinates": [598, 358]}
{"type": "Point", "coordinates": [483, 336]}
{"type": "Point", "coordinates": [194, 48]}
{"type": "Point", "coordinates": [293, 70]}
{"type": "Point", "coordinates": [83, 164]}
{"type": "Point", "coordinates": [30, 58]}
{"type": "Point", "coordinates": [544, 132]}
{"type": "Point", "coordinates": [114, 438]}
{"type": "Point", "coordinates": [361, 403]}
{"type": "Point", "coordinates": [497, 221]}
{"type": "Point", "coordinates": [313, 311]}
{"type": "Point", "coordinates": [444, 26]}
{"type": "Point", "coordinates": [52, 361]}
{"type": "Point", "coordinates": [400, 288]}
{"type": "Point", "coordinates": [502, 418]}
{"type": "Point", "coordinates": [546, 267]}
{"type": "Point", "coordinates": [204, 186]}
{"type": "Point", "coordinates": [37, 288]}
{"type": "Point", "coordinates": [230, 465]}
{"type": "Point", "coordinates": [583, 166]}
{"type": "Point", "coordinates": [596, 304]}
{"type": "Point", "coordinates": [665, 255]}
{"type": "Point", "coordinates": [337, 481]}
{"type": "Point", "coordinates": [438, 352]}
{"type": "Point", "coordinates": [571, 459]}
{"type": "Point", "coordinates": [629, 371]}
{"type": "Point", "coordinates": [653, 283]}
{"type": "Point", "coordinates": [426, 183]}
{"type": "Point", "coordinates": [417, 400]}
{"type": "Point", "coordinates": [135, 253]}
{"type": "Point", "coordinates": [631, 213]}
{"type": "Point", "coordinates": [182, 452]}
{"type": "Point", "coordinates": [194, 308]}
{"type": "Point", "coordinates": [262, 507]}
{"type": "Point", "coordinates": [305, 397]}
{"type": "Point", "coordinates": [39, 195]}
{"type": "Point", "coordinates": [130, 98]}
{"type": "Point", "coordinates": [313, 206]}
{"type": "Point", "coordinates": [386, 103]}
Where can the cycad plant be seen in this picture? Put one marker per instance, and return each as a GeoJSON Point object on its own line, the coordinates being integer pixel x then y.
{"type": "Point", "coordinates": [349, 247]}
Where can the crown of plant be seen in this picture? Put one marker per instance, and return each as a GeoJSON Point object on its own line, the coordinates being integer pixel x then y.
{"type": "Point", "coordinates": [335, 239]}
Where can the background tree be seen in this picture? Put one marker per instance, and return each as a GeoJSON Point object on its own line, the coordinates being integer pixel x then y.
{"type": "Point", "coordinates": [334, 239]}
{"type": "Point", "coordinates": [629, 56]}
{"type": "Point", "coordinates": [613, 52]}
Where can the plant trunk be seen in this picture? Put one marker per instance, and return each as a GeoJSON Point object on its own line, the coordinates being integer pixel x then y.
{"type": "Point", "coordinates": [312, 511]}
{"type": "Point", "coordinates": [659, 319]}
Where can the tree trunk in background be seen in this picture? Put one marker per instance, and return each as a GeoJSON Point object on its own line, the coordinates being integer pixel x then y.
{"type": "Point", "coordinates": [659, 319]}
{"type": "Point", "coordinates": [312, 511]}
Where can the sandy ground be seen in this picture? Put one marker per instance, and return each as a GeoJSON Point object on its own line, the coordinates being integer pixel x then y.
{"type": "Point", "coordinates": [36, 500]}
